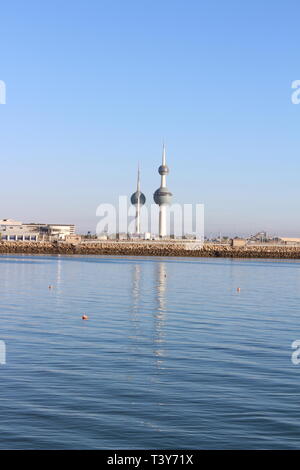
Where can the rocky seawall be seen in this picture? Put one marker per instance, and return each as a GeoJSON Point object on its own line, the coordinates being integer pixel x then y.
{"type": "Point", "coordinates": [149, 249]}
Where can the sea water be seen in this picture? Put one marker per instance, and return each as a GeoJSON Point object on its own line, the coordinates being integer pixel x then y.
{"type": "Point", "coordinates": [172, 354]}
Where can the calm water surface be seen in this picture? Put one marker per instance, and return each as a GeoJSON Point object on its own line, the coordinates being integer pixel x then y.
{"type": "Point", "coordinates": [172, 356]}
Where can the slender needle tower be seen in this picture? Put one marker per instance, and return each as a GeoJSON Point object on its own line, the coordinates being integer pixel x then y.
{"type": "Point", "coordinates": [138, 199]}
{"type": "Point", "coordinates": [163, 196]}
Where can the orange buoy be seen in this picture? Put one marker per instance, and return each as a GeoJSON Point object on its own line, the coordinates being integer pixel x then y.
{"type": "Point", "coordinates": [238, 289]}
{"type": "Point", "coordinates": [85, 317]}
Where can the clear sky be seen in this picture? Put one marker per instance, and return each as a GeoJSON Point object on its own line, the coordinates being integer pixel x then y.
{"type": "Point", "coordinates": [94, 86]}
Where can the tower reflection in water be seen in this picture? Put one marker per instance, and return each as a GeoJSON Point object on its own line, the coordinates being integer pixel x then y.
{"type": "Point", "coordinates": [136, 296]}
{"type": "Point", "coordinates": [148, 325]}
{"type": "Point", "coordinates": [160, 313]}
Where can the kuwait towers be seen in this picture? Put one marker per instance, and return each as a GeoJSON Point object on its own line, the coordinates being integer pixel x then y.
{"type": "Point", "coordinates": [163, 196]}
{"type": "Point", "coordinates": [138, 199]}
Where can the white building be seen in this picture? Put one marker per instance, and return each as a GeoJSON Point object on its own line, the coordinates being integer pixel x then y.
{"type": "Point", "coordinates": [13, 230]}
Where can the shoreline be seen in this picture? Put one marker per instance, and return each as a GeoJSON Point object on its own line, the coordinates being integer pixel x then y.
{"type": "Point", "coordinates": [172, 249]}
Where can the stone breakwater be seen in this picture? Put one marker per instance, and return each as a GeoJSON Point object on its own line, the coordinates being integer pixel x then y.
{"type": "Point", "coordinates": [149, 249]}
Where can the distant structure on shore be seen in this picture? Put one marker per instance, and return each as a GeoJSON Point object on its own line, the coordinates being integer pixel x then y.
{"type": "Point", "coordinates": [162, 196]}
{"type": "Point", "coordinates": [13, 230]}
{"type": "Point", "coordinates": [138, 199]}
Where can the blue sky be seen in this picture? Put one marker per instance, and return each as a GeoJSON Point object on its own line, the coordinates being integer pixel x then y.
{"type": "Point", "coordinates": [95, 86]}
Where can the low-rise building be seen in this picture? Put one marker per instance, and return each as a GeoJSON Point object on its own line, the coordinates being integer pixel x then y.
{"type": "Point", "coordinates": [122, 236]}
{"type": "Point", "coordinates": [13, 230]}
{"type": "Point", "coordinates": [290, 241]}
{"type": "Point", "coordinates": [102, 236]}
{"type": "Point", "coordinates": [238, 242]}
{"type": "Point", "coordinates": [74, 239]}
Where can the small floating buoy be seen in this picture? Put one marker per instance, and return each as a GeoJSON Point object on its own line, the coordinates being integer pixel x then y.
{"type": "Point", "coordinates": [49, 287]}
{"type": "Point", "coordinates": [238, 289]}
{"type": "Point", "coordinates": [85, 317]}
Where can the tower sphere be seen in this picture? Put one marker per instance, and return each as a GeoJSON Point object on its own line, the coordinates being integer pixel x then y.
{"type": "Point", "coordinates": [163, 170]}
{"type": "Point", "coordinates": [162, 196]}
{"type": "Point", "coordinates": [138, 198]}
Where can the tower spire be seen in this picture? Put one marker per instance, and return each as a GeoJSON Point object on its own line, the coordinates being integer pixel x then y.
{"type": "Point", "coordinates": [138, 199]}
{"type": "Point", "coordinates": [164, 154]}
{"type": "Point", "coordinates": [138, 186]}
